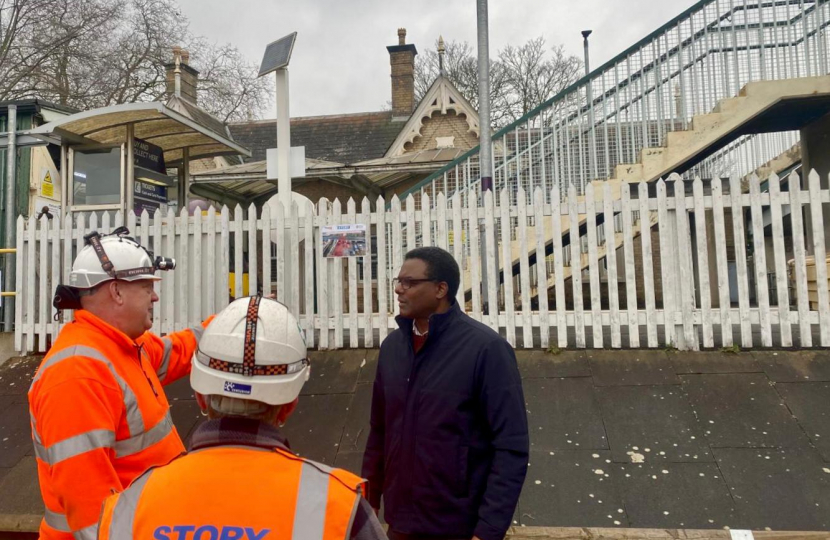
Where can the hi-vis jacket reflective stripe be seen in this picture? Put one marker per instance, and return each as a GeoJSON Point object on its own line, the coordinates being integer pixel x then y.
{"type": "Point", "coordinates": [100, 417]}
{"type": "Point", "coordinates": [243, 493]}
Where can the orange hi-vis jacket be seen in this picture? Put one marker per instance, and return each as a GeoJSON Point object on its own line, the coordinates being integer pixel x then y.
{"type": "Point", "coordinates": [235, 492]}
{"type": "Point", "coordinates": [100, 417]}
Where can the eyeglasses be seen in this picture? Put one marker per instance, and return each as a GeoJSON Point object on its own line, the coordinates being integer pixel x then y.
{"type": "Point", "coordinates": [407, 283]}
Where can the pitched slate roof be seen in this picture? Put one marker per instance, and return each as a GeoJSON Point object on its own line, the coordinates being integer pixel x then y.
{"type": "Point", "coordinates": [342, 138]}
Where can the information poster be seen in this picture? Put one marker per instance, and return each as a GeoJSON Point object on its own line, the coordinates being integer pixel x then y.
{"type": "Point", "coordinates": [344, 240]}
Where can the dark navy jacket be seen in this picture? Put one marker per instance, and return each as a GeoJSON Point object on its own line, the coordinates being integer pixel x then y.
{"type": "Point", "coordinates": [448, 444]}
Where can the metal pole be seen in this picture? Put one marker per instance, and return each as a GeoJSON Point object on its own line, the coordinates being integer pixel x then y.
{"type": "Point", "coordinates": [184, 178]}
{"type": "Point", "coordinates": [11, 200]}
{"type": "Point", "coordinates": [129, 198]}
{"type": "Point", "coordinates": [284, 169]}
{"type": "Point", "coordinates": [485, 161]}
{"type": "Point", "coordinates": [590, 98]}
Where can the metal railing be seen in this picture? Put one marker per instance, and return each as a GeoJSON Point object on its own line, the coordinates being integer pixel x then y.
{"type": "Point", "coordinates": [702, 56]}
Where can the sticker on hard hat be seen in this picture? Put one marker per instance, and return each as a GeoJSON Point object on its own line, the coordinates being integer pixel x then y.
{"type": "Point", "coordinates": [191, 532]}
{"type": "Point", "coordinates": [237, 388]}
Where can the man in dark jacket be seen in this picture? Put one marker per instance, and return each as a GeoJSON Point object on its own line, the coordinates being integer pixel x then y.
{"type": "Point", "coordinates": [448, 444]}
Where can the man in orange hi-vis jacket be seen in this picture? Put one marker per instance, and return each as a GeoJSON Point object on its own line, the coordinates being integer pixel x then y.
{"type": "Point", "coordinates": [240, 480]}
{"type": "Point", "coordinates": [99, 415]}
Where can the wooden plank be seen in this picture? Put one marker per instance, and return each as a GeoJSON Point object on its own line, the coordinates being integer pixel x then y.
{"type": "Point", "coordinates": [666, 264]}
{"type": "Point", "coordinates": [541, 266]}
{"type": "Point", "coordinates": [237, 259]}
{"type": "Point", "coordinates": [760, 261]}
{"type": "Point", "coordinates": [31, 284]}
{"type": "Point", "coordinates": [383, 306]}
{"type": "Point", "coordinates": [197, 287]}
{"type": "Point", "coordinates": [211, 266]}
{"type": "Point", "coordinates": [56, 272]}
{"type": "Point", "coordinates": [368, 308]}
{"type": "Point", "coordinates": [474, 263]}
{"type": "Point", "coordinates": [611, 264]}
{"type": "Point", "coordinates": [323, 299]}
{"type": "Point", "coordinates": [524, 272]}
{"type": "Point", "coordinates": [43, 283]}
{"type": "Point", "coordinates": [158, 312]}
{"type": "Point", "coordinates": [294, 253]}
{"type": "Point", "coordinates": [441, 223]}
{"type": "Point", "coordinates": [805, 331]}
{"type": "Point", "coordinates": [279, 228]}
{"type": "Point", "coordinates": [397, 246]}
{"type": "Point", "coordinates": [169, 320]}
{"type": "Point", "coordinates": [68, 239]}
{"type": "Point", "coordinates": [18, 281]}
{"type": "Point", "coordinates": [576, 268]}
{"type": "Point", "coordinates": [224, 254]}
{"type": "Point", "coordinates": [491, 260]}
{"type": "Point", "coordinates": [309, 252]}
{"type": "Point", "coordinates": [426, 221]}
{"type": "Point", "coordinates": [740, 259]}
{"type": "Point", "coordinates": [253, 252]}
{"type": "Point", "coordinates": [411, 227]}
{"type": "Point", "coordinates": [684, 261]}
{"type": "Point", "coordinates": [720, 258]}
{"type": "Point", "coordinates": [780, 256]}
{"type": "Point", "coordinates": [558, 267]}
{"type": "Point", "coordinates": [820, 254]}
{"type": "Point", "coordinates": [593, 265]}
{"type": "Point", "coordinates": [267, 244]}
{"type": "Point", "coordinates": [703, 263]}
{"type": "Point", "coordinates": [183, 266]}
{"type": "Point", "coordinates": [336, 281]}
{"type": "Point", "coordinates": [507, 260]}
{"type": "Point", "coordinates": [458, 237]}
{"type": "Point", "coordinates": [353, 337]}
{"type": "Point", "coordinates": [630, 268]}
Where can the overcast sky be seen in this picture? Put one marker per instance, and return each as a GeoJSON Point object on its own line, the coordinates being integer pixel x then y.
{"type": "Point", "coordinates": [340, 63]}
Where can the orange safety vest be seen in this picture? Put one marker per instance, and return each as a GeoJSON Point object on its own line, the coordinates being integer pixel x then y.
{"type": "Point", "coordinates": [235, 493]}
{"type": "Point", "coordinates": [100, 417]}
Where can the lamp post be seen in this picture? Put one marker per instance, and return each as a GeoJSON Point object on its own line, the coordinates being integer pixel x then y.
{"type": "Point", "coordinates": [485, 159]}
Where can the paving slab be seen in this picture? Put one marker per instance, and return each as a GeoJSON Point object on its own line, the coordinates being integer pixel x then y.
{"type": "Point", "coordinates": [356, 430]}
{"type": "Point", "coordinates": [571, 488]}
{"type": "Point", "coordinates": [368, 370]}
{"type": "Point", "coordinates": [179, 389]}
{"type": "Point", "coordinates": [784, 489]}
{"type": "Point", "coordinates": [781, 366]}
{"type": "Point", "coordinates": [615, 368]}
{"type": "Point", "coordinates": [15, 431]}
{"type": "Point", "coordinates": [563, 414]}
{"type": "Point", "coordinates": [333, 372]}
{"type": "Point", "coordinates": [542, 364]}
{"type": "Point", "coordinates": [651, 423]}
{"type": "Point", "coordinates": [316, 427]}
{"type": "Point", "coordinates": [658, 495]}
{"type": "Point", "coordinates": [688, 362]}
{"type": "Point", "coordinates": [186, 417]}
{"type": "Point", "coordinates": [742, 410]}
{"type": "Point", "coordinates": [351, 461]}
{"type": "Point", "coordinates": [16, 375]}
{"type": "Point", "coordinates": [20, 491]}
{"type": "Point", "coordinates": [810, 404]}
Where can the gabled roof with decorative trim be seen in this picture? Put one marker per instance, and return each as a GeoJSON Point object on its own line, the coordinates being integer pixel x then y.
{"type": "Point", "coordinates": [441, 97]}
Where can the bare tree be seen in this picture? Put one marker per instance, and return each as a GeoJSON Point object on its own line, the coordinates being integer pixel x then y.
{"type": "Point", "coordinates": [94, 53]}
{"type": "Point", "coordinates": [521, 77]}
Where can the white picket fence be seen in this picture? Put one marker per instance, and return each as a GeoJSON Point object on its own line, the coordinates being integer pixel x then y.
{"type": "Point", "coordinates": [631, 290]}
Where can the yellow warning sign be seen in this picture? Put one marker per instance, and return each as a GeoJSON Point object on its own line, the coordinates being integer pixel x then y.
{"type": "Point", "coordinates": [47, 187]}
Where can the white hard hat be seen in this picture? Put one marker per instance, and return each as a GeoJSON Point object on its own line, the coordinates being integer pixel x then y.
{"type": "Point", "coordinates": [114, 256]}
{"type": "Point", "coordinates": [252, 350]}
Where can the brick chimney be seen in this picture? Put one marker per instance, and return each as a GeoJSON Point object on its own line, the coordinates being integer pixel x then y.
{"type": "Point", "coordinates": [402, 59]}
{"type": "Point", "coordinates": [182, 80]}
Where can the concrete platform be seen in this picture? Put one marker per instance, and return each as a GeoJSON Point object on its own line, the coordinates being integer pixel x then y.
{"type": "Point", "coordinates": [666, 441]}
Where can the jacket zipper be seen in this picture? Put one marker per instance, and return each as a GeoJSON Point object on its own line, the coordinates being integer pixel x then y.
{"type": "Point", "coordinates": [141, 365]}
